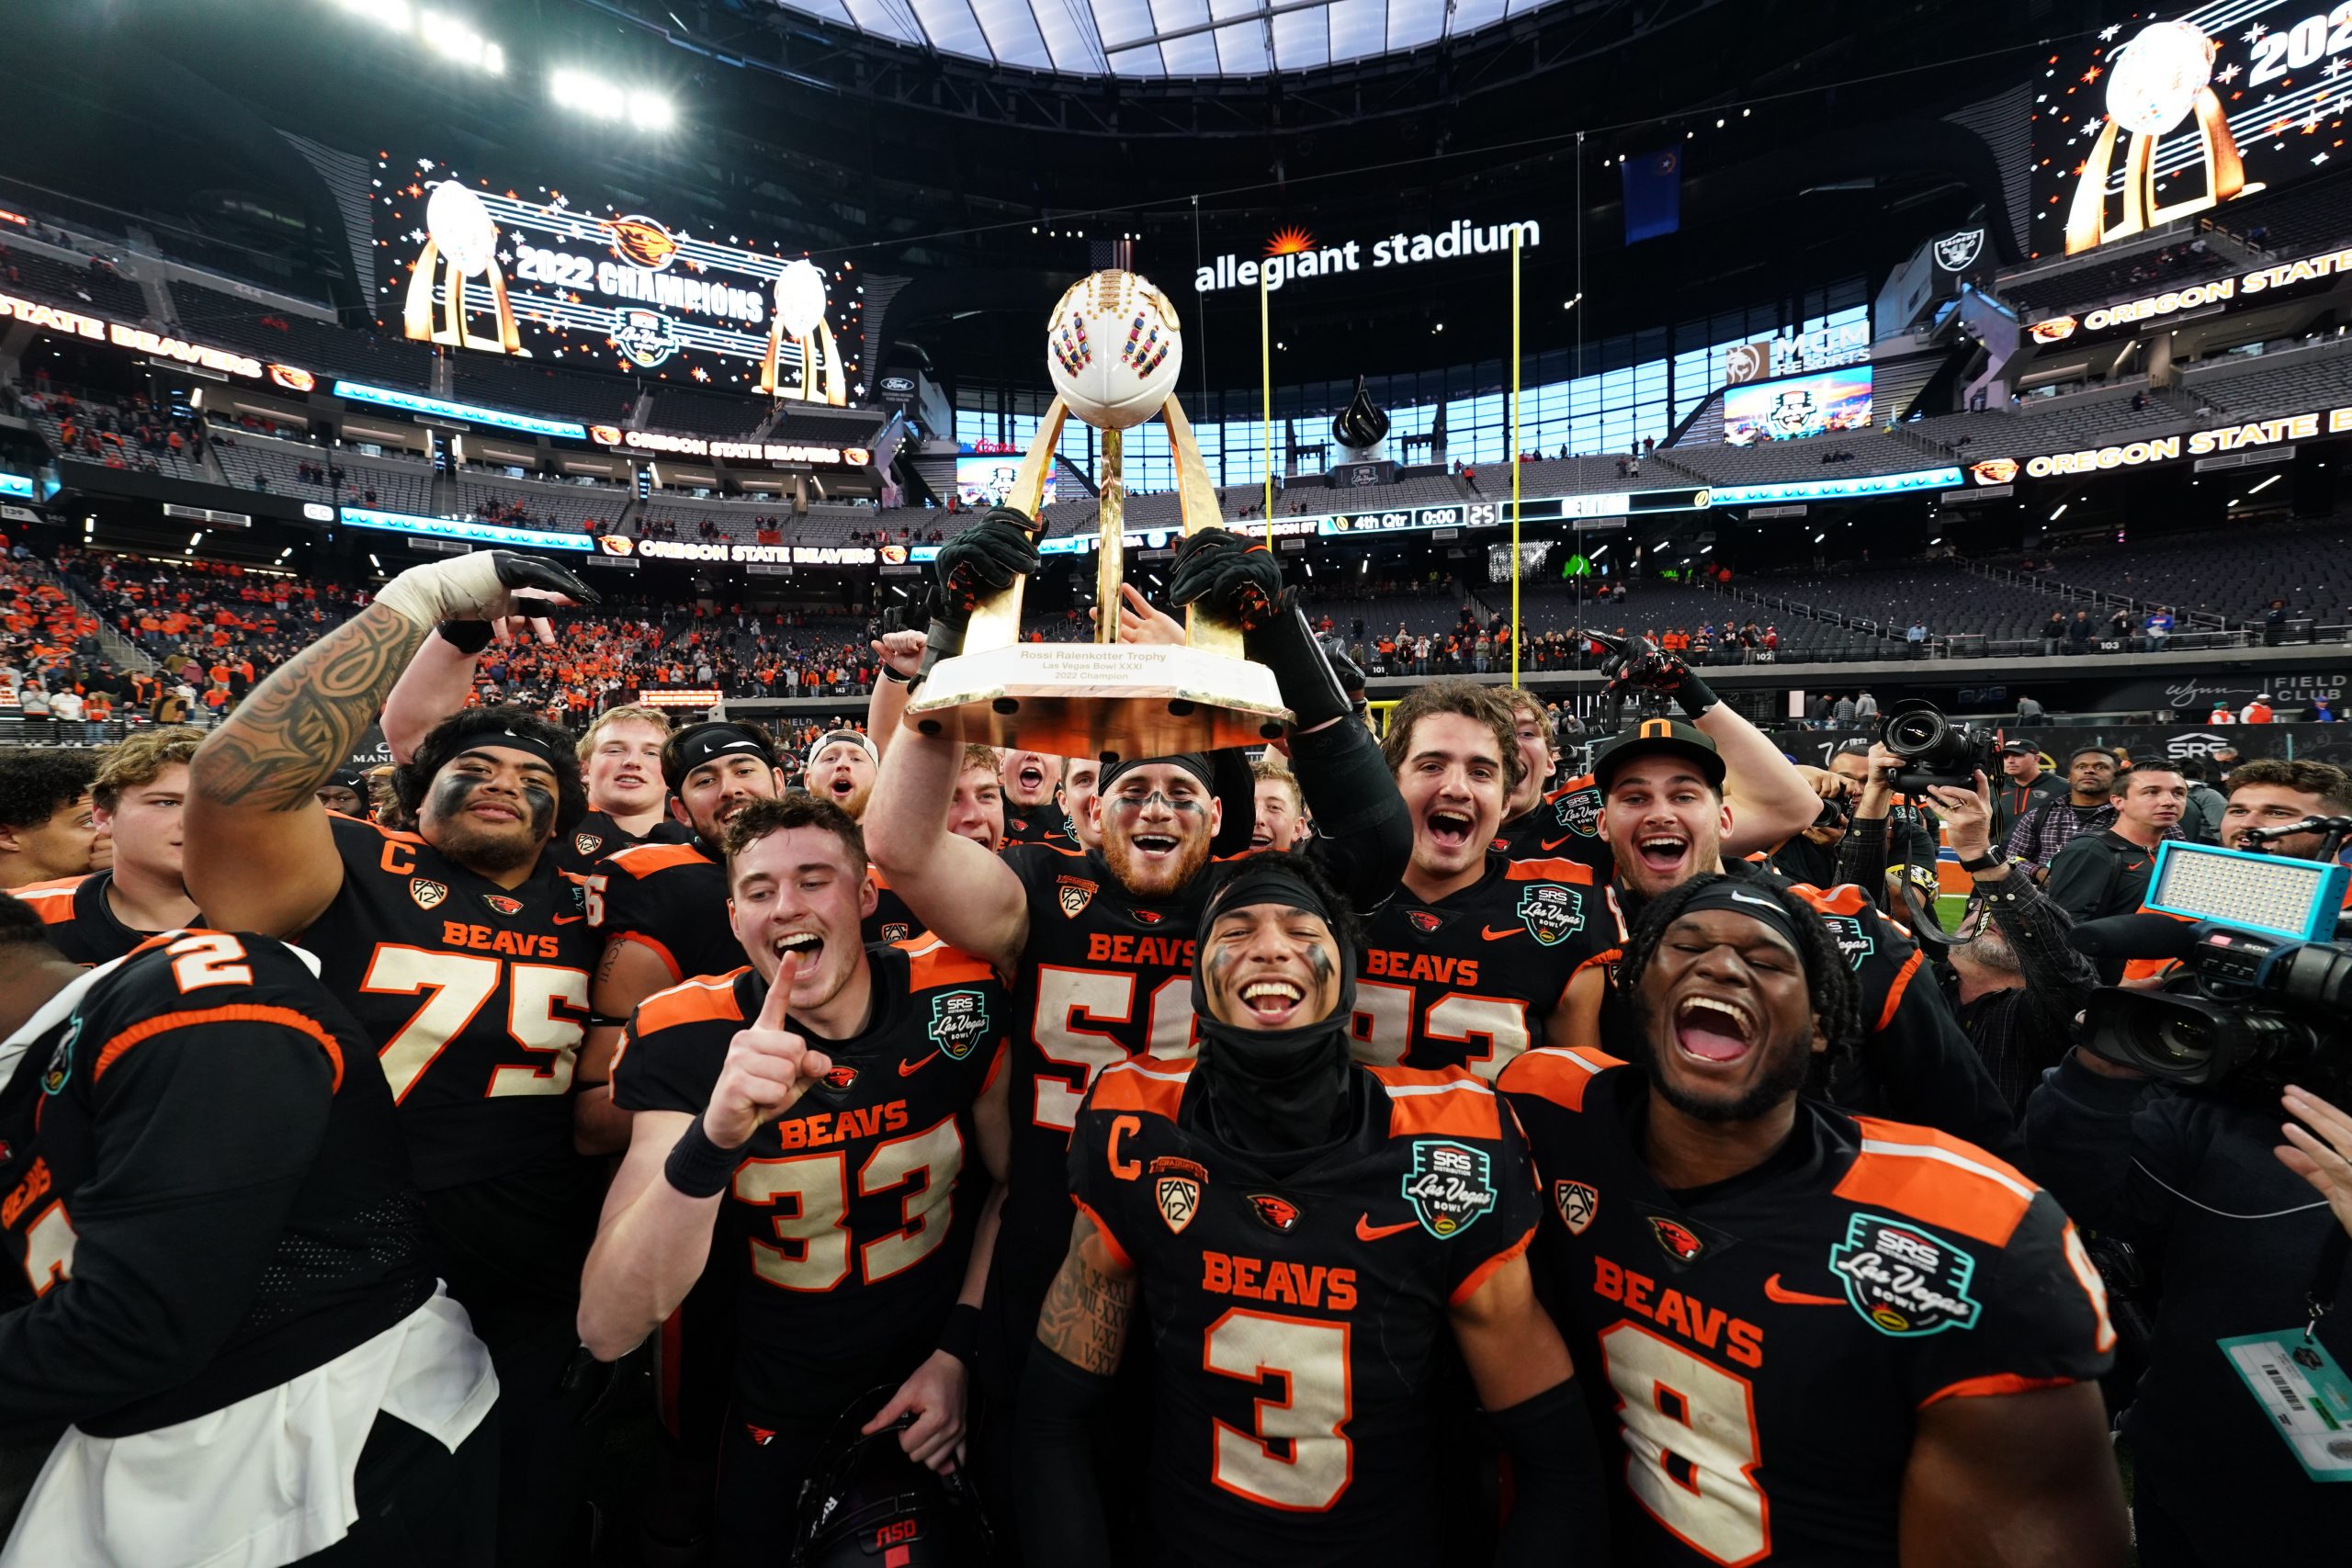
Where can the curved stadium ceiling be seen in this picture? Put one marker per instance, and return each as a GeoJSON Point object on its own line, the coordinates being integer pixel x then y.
{"type": "Point", "coordinates": [1165, 37]}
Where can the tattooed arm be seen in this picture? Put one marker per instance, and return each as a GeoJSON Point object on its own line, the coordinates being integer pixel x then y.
{"type": "Point", "coordinates": [1080, 1336]}
{"type": "Point", "coordinates": [259, 854]}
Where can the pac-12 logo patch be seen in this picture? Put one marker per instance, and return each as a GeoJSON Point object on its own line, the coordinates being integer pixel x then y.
{"type": "Point", "coordinates": [1074, 894]}
{"type": "Point", "coordinates": [958, 1019]}
{"type": "Point", "coordinates": [1449, 1186]}
{"type": "Point", "coordinates": [428, 893]}
{"type": "Point", "coordinates": [1580, 811]}
{"type": "Point", "coordinates": [1551, 913]}
{"type": "Point", "coordinates": [1274, 1211]}
{"type": "Point", "coordinates": [1577, 1202]}
{"type": "Point", "coordinates": [897, 931]}
{"type": "Point", "coordinates": [1176, 1187]}
{"type": "Point", "coordinates": [1904, 1280]}
{"type": "Point", "coordinates": [586, 844]}
{"type": "Point", "coordinates": [1674, 1239]}
{"type": "Point", "coordinates": [1852, 940]}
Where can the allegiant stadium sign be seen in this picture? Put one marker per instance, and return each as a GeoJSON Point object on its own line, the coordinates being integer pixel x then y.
{"type": "Point", "coordinates": [1293, 253]}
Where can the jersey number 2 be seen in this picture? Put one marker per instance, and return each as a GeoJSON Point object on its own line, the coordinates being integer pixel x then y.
{"type": "Point", "coordinates": [1691, 1428]}
{"type": "Point", "coordinates": [1311, 1357]}
{"type": "Point", "coordinates": [459, 983]}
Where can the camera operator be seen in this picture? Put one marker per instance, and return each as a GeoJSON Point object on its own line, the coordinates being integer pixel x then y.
{"type": "Point", "coordinates": [1886, 836]}
{"type": "Point", "coordinates": [2011, 976]}
{"type": "Point", "coordinates": [2046, 829]}
{"type": "Point", "coordinates": [2028, 784]}
{"type": "Point", "coordinates": [2193, 1180]}
{"type": "Point", "coordinates": [2106, 871]}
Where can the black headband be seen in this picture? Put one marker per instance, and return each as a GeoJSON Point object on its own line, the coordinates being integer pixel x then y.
{"type": "Point", "coordinates": [507, 739]}
{"type": "Point", "coordinates": [690, 749]}
{"type": "Point", "coordinates": [1734, 897]}
{"type": "Point", "coordinates": [1196, 763]}
{"type": "Point", "coordinates": [1267, 879]}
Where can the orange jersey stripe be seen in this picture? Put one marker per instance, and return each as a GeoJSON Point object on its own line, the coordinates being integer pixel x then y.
{"type": "Point", "coordinates": [1895, 992]}
{"type": "Point", "coordinates": [697, 1002]}
{"type": "Point", "coordinates": [644, 859]}
{"type": "Point", "coordinates": [1548, 871]}
{"type": "Point", "coordinates": [1936, 1179]}
{"type": "Point", "coordinates": [1556, 1074]}
{"type": "Point", "coordinates": [933, 963]}
{"type": "Point", "coordinates": [1151, 1084]}
{"type": "Point", "coordinates": [1477, 1278]}
{"type": "Point", "coordinates": [1994, 1384]}
{"type": "Point", "coordinates": [52, 902]}
{"type": "Point", "coordinates": [1439, 1099]}
{"type": "Point", "coordinates": [234, 1012]}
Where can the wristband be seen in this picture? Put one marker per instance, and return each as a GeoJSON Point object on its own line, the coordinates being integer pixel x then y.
{"type": "Point", "coordinates": [960, 1337]}
{"type": "Point", "coordinates": [890, 673]}
{"type": "Point", "coordinates": [696, 1166]}
{"type": "Point", "coordinates": [466, 637]}
{"type": "Point", "coordinates": [1981, 863]}
{"type": "Point", "coordinates": [1695, 695]}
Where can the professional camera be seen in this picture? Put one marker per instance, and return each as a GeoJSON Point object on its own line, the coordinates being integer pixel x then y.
{"type": "Point", "coordinates": [2261, 986]}
{"type": "Point", "coordinates": [1933, 750]}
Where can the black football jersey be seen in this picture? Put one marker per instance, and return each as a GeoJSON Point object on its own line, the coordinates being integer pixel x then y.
{"type": "Point", "coordinates": [596, 835]}
{"type": "Point", "coordinates": [82, 923]}
{"type": "Point", "coordinates": [1563, 824]}
{"type": "Point", "coordinates": [849, 1220]}
{"type": "Point", "coordinates": [891, 920]}
{"type": "Point", "coordinates": [1298, 1322]}
{"type": "Point", "coordinates": [1045, 824]}
{"type": "Point", "coordinates": [475, 997]}
{"type": "Point", "coordinates": [1771, 1340]}
{"type": "Point", "coordinates": [670, 899]}
{"type": "Point", "coordinates": [1470, 980]}
{"type": "Point", "coordinates": [131, 1126]}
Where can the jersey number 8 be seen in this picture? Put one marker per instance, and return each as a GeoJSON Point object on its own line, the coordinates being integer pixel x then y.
{"type": "Point", "coordinates": [1692, 1429]}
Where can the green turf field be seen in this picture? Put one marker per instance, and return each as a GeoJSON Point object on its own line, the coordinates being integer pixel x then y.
{"type": "Point", "coordinates": [1949, 907]}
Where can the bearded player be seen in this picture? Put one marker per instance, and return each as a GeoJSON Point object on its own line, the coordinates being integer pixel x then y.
{"type": "Point", "coordinates": [1770, 800]}
{"type": "Point", "coordinates": [840, 768]}
{"type": "Point", "coordinates": [142, 783]}
{"type": "Point", "coordinates": [1826, 1340]}
{"type": "Point", "coordinates": [821, 1105]}
{"type": "Point", "coordinates": [1306, 1234]}
{"type": "Point", "coordinates": [462, 952]}
{"type": "Point", "coordinates": [1098, 946]}
{"type": "Point", "coordinates": [1469, 964]}
{"type": "Point", "coordinates": [1665, 820]}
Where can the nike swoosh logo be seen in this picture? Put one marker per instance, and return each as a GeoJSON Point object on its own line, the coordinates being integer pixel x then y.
{"type": "Point", "coordinates": [1555, 843]}
{"type": "Point", "coordinates": [1493, 935]}
{"type": "Point", "coordinates": [908, 1070]}
{"type": "Point", "coordinates": [1367, 1230]}
{"type": "Point", "coordinates": [1775, 1291]}
{"type": "Point", "coordinates": [569, 920]}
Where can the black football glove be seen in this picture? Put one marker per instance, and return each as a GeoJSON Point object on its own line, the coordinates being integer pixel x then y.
{"type": "Point", "coordinates": [987, 558]}
{"type": "Point", "coordinates": [1343, 668]}
{"type": "Point", "coordinates": [1643, 666]}
{"type": "Point", "coordinates": [530, 579]}
{"type": "Point", "coordinates": [1231, 579]}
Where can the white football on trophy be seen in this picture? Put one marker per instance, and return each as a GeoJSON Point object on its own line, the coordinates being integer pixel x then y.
{"type": "Point", "coordinates": [1114, 348]}
{"type": "Point", "coordinates": [461, 226]}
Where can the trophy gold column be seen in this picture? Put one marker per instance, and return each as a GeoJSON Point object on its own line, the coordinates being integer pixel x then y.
{"type": "Point", "coordinates": [459, 234]}
{"type": "Point", "coordinates": [1115, 349]}
{"type": "Point", "coordinates": [2162, 76]}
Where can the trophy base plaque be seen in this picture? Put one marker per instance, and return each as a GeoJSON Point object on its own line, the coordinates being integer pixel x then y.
{"type": "Point", "coordinates": [1113, 700]}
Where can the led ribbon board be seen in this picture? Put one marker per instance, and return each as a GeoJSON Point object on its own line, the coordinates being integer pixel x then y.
{"type": "Point", "coordinates": [458, 528]}
{"type": "Point", "coordinates": [471, 414]}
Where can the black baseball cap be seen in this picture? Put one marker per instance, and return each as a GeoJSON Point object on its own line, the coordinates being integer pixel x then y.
{"type": "Point", "coordinates": [1656, 735]}
{"type": "Point", "coordinates": [2022, 746]}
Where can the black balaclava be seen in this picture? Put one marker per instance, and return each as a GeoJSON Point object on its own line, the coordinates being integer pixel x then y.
{"type": "Point", "coordinates": [1275, 1092]}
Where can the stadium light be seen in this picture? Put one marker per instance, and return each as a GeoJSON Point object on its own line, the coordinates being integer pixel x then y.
{"type": "Point", "coordinates": [445, 35]}
{"type": "Point", "coordinates": [603, 98]}
{"type": "Point", "coordinates": [2266, 484]}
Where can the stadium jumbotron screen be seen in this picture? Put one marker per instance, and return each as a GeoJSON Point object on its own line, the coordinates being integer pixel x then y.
{"type": "Point", "coordinates": [564, 280]}
{"type": "Point", "coordinates": [2180, 118]}
{"type": "Point", "coordinates": [986, 479]}
{"type": "Point", "coordinates": [1798, 406]}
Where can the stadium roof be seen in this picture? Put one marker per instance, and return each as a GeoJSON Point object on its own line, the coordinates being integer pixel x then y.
{"type": "Point", "coordinates": [1165, 37]}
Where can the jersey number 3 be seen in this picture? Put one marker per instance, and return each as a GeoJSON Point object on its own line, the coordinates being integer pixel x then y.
{"type": "Point", "coordinates": [1311, 1357]}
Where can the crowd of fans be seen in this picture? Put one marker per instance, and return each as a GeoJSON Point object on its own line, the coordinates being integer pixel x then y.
{"type": "Point", "coordinates": [119, 429]}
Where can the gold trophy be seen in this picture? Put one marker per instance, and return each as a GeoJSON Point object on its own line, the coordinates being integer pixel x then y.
{"type": "Point", "coordinates": [459, 231]}
{"type": "Point", "coordinates": [800, 314]}
{"type": "Point", "coordinates": [1115, 349]}
{"type": "Point", "coordinates": [2164, 74]}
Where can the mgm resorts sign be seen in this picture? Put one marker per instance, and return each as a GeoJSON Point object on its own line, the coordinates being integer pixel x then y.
{"type": "Point", "coordinates": [1770, 356]}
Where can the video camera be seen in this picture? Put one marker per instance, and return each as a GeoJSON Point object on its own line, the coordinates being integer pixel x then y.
{"type": "Point", "coordinates": [1935, 752]}
{"type": "Point", "coordinates": [2262, 984]}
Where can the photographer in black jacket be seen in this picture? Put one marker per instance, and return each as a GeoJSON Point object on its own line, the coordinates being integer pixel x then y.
{"type": "Point", "coordinates": [2194, 1182]}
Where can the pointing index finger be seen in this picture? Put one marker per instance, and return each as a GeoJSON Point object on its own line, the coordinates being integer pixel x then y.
{"type": "Point", "coordinates": [779, 997]}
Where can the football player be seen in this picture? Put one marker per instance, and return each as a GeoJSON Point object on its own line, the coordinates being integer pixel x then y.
{"type": "Point", "coordinates": [1030, 779]}
{"type": "Point", "coordinates": [216, 1283]}
{"type": "Point", "coordinates": [840, 768]}
{"type": "Point", "coordinates": [1469, 964]}
{"type": "Point", "coordinates": [1305, 1233]}
{"type": "Point", "coordinates": [1829, 1339]}
{"type": "Point", "coordinates": [1098, 946]}
{"type": "Point", "coordinates": [975, 812]}
{"type": "Point", "coordinates": [48, 826]}
{"type": "Point", "coordinates": [464, 954]}
{"type": "Point", "coordinates": [821, 1104]}
{"type": "Point", "coordinates": [1280, 819]}
{"type": "Point", "coordinates": [135, 801]}
{"type": "Point", "coordinates": [628, 801]}
{"type": "Point", "coordinates": [1081, 781]}
{"type": "Point", "coordinates": [1769, 798]}
{"type": "Point", "coordinates": [1665, 820]}
{"type": "Point", "coordinates": [345, 793]}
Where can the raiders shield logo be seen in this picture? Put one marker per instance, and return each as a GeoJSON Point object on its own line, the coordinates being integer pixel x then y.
{"type": "Point", "coordinates": [1905, 1282]}
{"type": "Point", "coordinates": [1176, 1187]}
{"type": "Point", "coordinates": [428, 895]}
{"type": "Point", "coordinates": [958, 1020]}
{"type": "Point", "coordinates": [503, 904]}
{"type": "Point", "coordinates": [1954, 252]}
{"type": "Point", "coordinates": [1449, 1186]}
{"type": "Point", "coordinates": [1074, 894]}
{"type": "Point", "coordinates": [1274, 1212]}
{"type": "Point", "coordinates": [586, 844]}
{"type": "Point", "coordinates": [1551, 913]}
{"type": "Point", "coordinates": [1422, 919]}
{"type": "Point", "coordinates": [1577, 1202]}
{"type": "Point", "coordinates": [1579, 812]}
{"type": "Point", "coordinates": [1677, 1241]}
